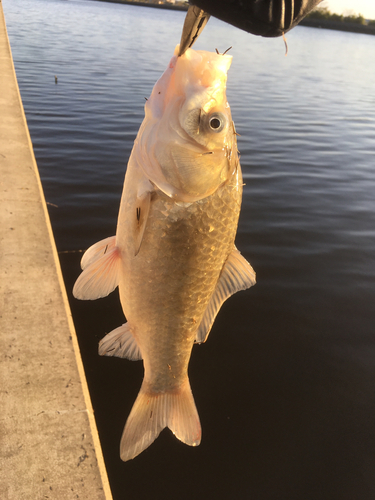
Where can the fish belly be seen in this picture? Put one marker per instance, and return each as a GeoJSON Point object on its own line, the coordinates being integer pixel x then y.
{"type": "Point", "coordinates": [165, 288]}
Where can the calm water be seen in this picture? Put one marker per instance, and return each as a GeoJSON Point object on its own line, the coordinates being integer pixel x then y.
{"type": "Point", "coordinates": [285, 384]}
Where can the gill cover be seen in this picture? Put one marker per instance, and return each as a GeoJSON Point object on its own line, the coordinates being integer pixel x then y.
{"type": "Point", "coordinates": [186, 145]}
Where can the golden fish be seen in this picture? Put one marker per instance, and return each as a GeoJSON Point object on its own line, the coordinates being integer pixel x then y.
{"type": "Point", "coordinates": [173, 256]}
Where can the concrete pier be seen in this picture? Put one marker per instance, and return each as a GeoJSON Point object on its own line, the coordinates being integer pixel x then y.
{"type": "Point", "coordinates": [49, 445]}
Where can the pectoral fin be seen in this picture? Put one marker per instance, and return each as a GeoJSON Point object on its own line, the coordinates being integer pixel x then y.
{"type": "Point", "coordinates": [101, 269]}
{"type": "Point", "coordinates": [237, 274]}
{"type": "Point", "coordinates": [120, 343]}
{"type": "Point", "coordinates": [141, 215]}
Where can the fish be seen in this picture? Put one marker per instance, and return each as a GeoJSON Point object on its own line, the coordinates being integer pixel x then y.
{"type": "Point", "coordinates": [173, 257]}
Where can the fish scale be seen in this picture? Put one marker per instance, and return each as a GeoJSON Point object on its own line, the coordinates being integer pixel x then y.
{"type": "Point", "coordinates": [185, 277]}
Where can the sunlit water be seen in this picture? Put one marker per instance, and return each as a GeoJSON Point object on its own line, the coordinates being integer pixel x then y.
{"type": "Point", "coordinates": [285, 384]}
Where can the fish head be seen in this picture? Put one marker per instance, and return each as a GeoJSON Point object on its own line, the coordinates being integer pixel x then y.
{"type": "Point", "coordinates": [187, 143]}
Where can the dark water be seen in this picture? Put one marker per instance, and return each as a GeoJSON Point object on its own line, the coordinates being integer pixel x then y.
{"type": "Point", "coordinates": [285, 384]}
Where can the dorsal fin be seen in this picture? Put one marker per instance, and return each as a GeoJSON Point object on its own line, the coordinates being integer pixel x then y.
{"type": "Point", "coordinates": [101, 269]}
{"type": "Point", "coordinates": [237, 274]}
{"type": "Point", "coordinates": [120, 343]}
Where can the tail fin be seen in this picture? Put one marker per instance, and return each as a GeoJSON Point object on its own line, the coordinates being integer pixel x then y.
{"type": "Point", "coordinates": [152, 412]}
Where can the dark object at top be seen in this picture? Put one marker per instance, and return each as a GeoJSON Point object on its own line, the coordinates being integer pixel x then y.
{"type": "Point", "coordinates": [268, 18]}
{"type": "Point", "coordinates": [195, 20]}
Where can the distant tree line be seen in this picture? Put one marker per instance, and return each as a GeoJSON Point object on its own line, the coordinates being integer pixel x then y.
{"type": "Point", "coordinates": [324, 13]}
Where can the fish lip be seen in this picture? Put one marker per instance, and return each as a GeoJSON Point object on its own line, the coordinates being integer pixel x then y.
{"type": "Point", "coordinates": [195, 20]}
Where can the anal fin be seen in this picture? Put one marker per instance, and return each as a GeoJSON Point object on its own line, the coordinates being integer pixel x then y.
{"type": "Point", "coordinates": [120, 343]}
{"type": "Point", "coordinates": [237, 274]}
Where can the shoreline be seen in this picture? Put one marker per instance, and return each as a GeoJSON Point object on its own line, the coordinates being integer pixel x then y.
{"type": "Point", "coordinates": [48, 426]}
{"type": "Point", "coordinates": [338, 26]}
{"type": "Point", "coordinates": [167, 6]}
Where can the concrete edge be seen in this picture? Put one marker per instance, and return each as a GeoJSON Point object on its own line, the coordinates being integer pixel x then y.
{"type": "Point", "coordinates": [77, 353]}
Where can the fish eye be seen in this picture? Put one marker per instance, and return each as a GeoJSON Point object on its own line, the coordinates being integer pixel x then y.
{"type": "Point", "coordinates": [216, 122]}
